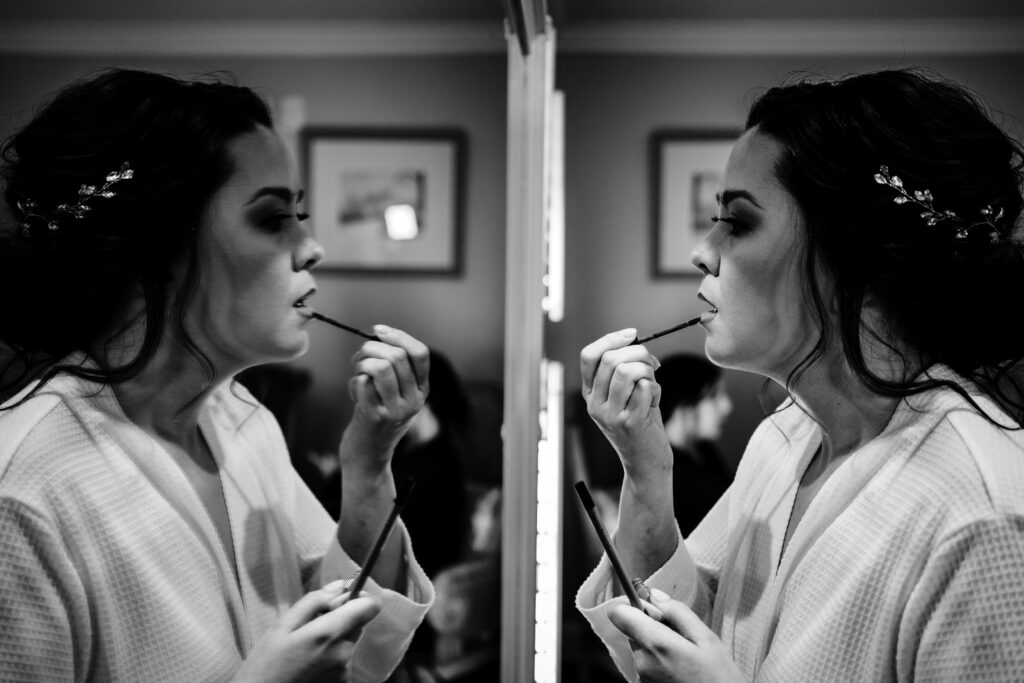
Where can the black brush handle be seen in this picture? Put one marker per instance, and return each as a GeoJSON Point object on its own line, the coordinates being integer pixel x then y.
{"type": "Point", "coordinates": [609, 549]}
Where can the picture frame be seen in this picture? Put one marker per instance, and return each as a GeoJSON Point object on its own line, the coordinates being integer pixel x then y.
{"type": "Point", "coordinates": [386, 200]}
{"type": "Point", "coordinates": [686, 174]}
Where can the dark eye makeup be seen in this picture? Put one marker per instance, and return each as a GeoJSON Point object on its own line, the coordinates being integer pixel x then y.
{"type": "Point", "coordinates": [736, 225]}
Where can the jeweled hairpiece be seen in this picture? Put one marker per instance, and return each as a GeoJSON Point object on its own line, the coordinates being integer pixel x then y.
{"type": "Point", "coordinates": [933, 216]}
{"type": "Point", "coordinates": [86, 193]}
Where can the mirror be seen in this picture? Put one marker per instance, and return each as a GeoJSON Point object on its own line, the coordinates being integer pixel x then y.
{"type": "Point", "coordinates": [628, 73]}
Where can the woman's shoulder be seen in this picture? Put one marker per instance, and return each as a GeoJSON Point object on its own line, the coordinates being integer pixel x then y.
{"type": "Point", "coordinates": [974, 451]}
{"type": "Point", "coordinates": [961, 464]}
{"type": "Point", "coordinates": [48, 437]}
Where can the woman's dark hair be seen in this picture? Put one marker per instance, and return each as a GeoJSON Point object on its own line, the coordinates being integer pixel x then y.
{"type": "Point", "coordinates": [955, 300]}
{"type": "Point", "coordinates": [685, 380]}
{"type": "Point", "coordinates": [75, 280]}
{"type": "Point", "coordinates": [448, 398]}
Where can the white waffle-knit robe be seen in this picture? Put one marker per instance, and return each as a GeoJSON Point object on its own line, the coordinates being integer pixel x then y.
{"type": "Point", "coordinates": [907, 566]}
{"type": "Point", "coordinates": [112, 570]}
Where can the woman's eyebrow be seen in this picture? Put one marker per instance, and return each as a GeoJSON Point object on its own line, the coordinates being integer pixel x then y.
{"type": "Point", "coordinates": [729, 195]}
{"type": "Point", "coordinates": [283, 193]}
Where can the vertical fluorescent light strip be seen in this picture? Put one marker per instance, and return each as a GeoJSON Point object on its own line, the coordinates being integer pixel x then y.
{"type": "Point", "coordinates": [554, 301]}
{"type": "Point", "coordinates": [547, 611]}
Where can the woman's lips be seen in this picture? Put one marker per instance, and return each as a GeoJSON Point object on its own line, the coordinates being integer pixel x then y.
{"type": "Point", "coordinates": [708, 315]}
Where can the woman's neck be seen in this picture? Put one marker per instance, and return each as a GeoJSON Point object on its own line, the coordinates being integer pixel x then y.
{"type": "Point", "coordinates": [166, 396]}
{"type": "Point", "coordinates": [849, 413]}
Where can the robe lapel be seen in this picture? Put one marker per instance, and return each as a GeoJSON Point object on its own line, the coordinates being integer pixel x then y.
{"type": "Point", "coordinates": [753, 558]}
{"type": "Point", "coordinates": [173, 485]}
{"type": "Point", "coordinates": [268, 574]}
{"type": "Point", "coordinates": [851, 480]}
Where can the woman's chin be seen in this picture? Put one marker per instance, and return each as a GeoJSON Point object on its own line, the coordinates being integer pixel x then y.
{"type": "Point", "coordinates": [289, 349]}
{"type": "Point", "coordinates": [726, 355]}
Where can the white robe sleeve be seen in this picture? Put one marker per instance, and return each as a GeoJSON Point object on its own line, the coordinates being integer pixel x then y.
{"type": "Point", "coordinates": [322, 560]}
{"type": "Point", "coordinates": [690, 575]}
{"type": "Point", "coordinates": [45, 632]}
{"type": "Point", "coordinates": [386, 638]}
{"type": "Point", "coordinates": [963, 620]}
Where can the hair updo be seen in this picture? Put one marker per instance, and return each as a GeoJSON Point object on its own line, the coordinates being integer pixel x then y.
{"type": "Point", "coordinates": [67, 287]}
{"type": "Point", "coordinates": [954, 299]}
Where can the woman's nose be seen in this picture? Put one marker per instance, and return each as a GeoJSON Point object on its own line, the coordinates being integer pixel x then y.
{"type": "Point", "coordinates": [704, 257]}
{"type": "Point", "coordinates": [309, 254]}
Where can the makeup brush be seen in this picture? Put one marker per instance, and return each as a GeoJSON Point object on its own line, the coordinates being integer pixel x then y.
{"type": "Point", "coordinates": [628, 587]}
{"type": "Point", "coordinates": [347, 328]}
{"type": "Point", "coordinates": [404, 489]}
{"type": "Point", "coordinates": [681, 326]}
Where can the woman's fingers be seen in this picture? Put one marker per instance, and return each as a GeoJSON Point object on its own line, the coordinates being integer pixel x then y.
{"type": "Point", "coordinates": [391, 358]}
{"type": "Point", "coordinates": [397, 369]}
{"type": "Point", "coordinates": [345, 622]}
{"type": "Point", "coordinates": [310, 605]}
{"type": "Point", "coordinates": [384, 378]}
{"type": "Point", "coordinates": [681, 618]}
{"type": "Point", "coordinates": [629, 380]}
{"type": "Point", "coordinates": [647, 633]}
{"type": "Point", "coordinates": [361, 390]}
{"type": "Point", "coordinates": [416, 352]}
{"type": "Point", "coordinates": [590, 356]}
{"type": "Point", "coordinates": [610, 364]}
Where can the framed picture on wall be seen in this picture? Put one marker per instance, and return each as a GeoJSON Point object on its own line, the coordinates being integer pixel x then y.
{"type": "Point", "coordinates": [386, 200]}
{"type": "Point", "coordinates": [686, 174]}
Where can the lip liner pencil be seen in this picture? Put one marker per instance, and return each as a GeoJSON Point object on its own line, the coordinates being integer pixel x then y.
{"type": "Point", "coordinates": [620, 573]}
{"type": "Point", "coordinates": [404, 489]}
{"type": "Point", "coordinates": [681, 326]}
{"type": "Point", "coordinates": [347, 328]}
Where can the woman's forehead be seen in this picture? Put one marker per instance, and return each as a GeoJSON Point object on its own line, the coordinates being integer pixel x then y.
{"type": "Point", "coordinates": [260, 159]}
{"type": "Point", "coordinates": [751, 166]}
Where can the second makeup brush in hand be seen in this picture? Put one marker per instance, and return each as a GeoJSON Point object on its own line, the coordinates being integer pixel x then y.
{"type": "Point", "coordinates": [404, 489]}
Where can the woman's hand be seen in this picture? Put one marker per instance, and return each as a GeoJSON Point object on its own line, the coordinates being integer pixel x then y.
{"type": "Point", "coordinates": [678, 647]}
{"type": "Point", "coordinates": [622, 398]}
{"type": "Point", "coordinates": [389, 388]}
{"type": "Point", "coordinates": [312, 641]}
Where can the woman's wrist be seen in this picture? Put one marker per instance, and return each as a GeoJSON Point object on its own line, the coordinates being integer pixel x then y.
{"type": "Point", "coordinates": [648, 472]}
{"type": "Point", "coordinates": [365, 452]}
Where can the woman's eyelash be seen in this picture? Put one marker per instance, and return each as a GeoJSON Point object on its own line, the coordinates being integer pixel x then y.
{"type": "Point", "coordinates": [280, 218]}
{"type": "Point", "coordinates": [736, 226]}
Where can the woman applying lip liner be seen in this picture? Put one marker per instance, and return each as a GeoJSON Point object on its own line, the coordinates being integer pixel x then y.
{"type": "Point", "coordinates": [151, 525]}
{"type": "Point", "coordinates": [867, 259]}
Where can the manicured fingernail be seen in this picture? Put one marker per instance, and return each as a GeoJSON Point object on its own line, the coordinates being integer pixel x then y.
{"type": "Point", "coordinates": [659, 595]}
{"type": "Point", "coordinates": [381, 329]}
{"type": "Point", "coordinates": [628, 333]}
{"type": "Point", "coordinates": [335, 586]}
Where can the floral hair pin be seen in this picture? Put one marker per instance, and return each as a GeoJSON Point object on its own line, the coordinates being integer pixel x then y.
{"type": "Point", "coordinates": [78, 210]}
{"type": "Point", "coordinates": [933, 216]}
